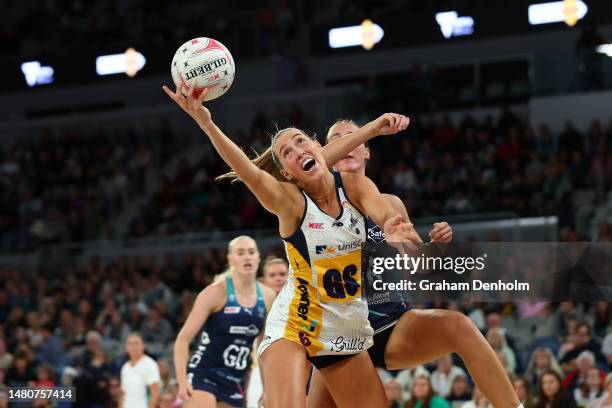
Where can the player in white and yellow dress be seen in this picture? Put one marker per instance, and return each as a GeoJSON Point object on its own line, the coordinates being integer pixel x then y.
{"type": "Point", "coordinates": [320, 314]}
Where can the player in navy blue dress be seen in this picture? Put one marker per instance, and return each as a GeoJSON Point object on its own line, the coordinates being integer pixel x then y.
{"type": "Point", "coordinates": [406, 337]}
{"type": "Point", "coordinates": [229, 314]}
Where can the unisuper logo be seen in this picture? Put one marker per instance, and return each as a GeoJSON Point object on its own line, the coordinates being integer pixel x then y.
{"type": "Point", "coordinates": [324, 249]}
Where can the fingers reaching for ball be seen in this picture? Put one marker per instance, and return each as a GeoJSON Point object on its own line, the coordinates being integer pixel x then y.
{"type": "Point", "coordinates": [184, 97]}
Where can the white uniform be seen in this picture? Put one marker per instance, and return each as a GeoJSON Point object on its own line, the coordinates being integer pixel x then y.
{"type": "Point", "coordinates": [321, 306]}
{"type": "Point", "coordinates": [136, 379]}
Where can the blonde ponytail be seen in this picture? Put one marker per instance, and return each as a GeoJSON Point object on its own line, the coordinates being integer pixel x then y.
{"type": "Point", "coordinates": [264, 161]}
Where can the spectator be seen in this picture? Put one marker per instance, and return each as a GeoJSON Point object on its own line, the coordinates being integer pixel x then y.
{"type": "Point", "coordinates": [167, 381]}
{"type": "Point", "coordinates": [423, 395]}
{"type": "Point", "coordinates": [552, 394]}
{"type": "Point", "coordinates": [497, 340]}
{"type": "Point", "coordinates": [443, 377]}
{"type": "Point", "coordinates": [6, 358]}
{"type": "Point", "coordinates": [606, 347]}
{"type": "Point", "coordinates": [542, 359]}
{"type": "Point", "coordinates": [523, 392]}
{"type": "Point", "coordinates": [156, 329]}
{"type": "Point", "coordinates": [20, 374]}
{"type": "Point", "coordinates": [138, 375]}
{"type": "Point", "coordinates": [591, 388]}
{"type": "Point", "coordinates": [406, 378]}
{"type": "Point", "coordinates": [605, 401]}
{"type": "Point", "coordinates": [460, 391]}
{"type": "Point", "coordinates": [478, 400]}
{"type": "Point", "coordinates": [45, 376]}
{"type": "Point", "coordinates": [584, 341]}
{"type": "Point", "coordinates": [584, 362]}
{"type": "Point", "coordinates": [393, 393]}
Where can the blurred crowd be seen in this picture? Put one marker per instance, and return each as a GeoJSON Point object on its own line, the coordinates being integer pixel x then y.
{"type": "Point", "coordinates": [67, 187]}
{"type": "Point", "coordinates": [436, 167]}
{"type": "Point", "coordinates": [70, 329]}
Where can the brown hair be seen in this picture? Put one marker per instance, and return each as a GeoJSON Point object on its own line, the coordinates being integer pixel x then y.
{"type": "Point", "coordinates": [266, 161]}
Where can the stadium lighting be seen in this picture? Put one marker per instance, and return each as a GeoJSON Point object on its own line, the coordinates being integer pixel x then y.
{"type": "Point", "coordinates": [129, 63]}
{"type": "Point", "coordinates": [568, 11]}
{"type": "Point", "coordinates": [605, 49]}
{"type": "Point", "coordinates": [36, 74]}
{"type": "Point", "coordinates": [366, 34]}
{"type": "Point", "coordinates": [452, 25]}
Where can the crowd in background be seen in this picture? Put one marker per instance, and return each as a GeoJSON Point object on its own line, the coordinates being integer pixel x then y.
{"type": "Point", "coordinates": [70, 329]}
{"type": "Point", "coordinates": [67, 187]}
{"type": "Point", "coordinates": [436, 167]}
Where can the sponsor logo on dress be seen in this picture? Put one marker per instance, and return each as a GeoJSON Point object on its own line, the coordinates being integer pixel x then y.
{"type": "Point", "coordinates": [375, 234]}
{"type": "Point", "coordinates": [231, 309]}
{"type": "Point", "coordinates": [354, 344]}
{"type": "Point", "coordinates": [327, 249]}
{"type": "Point", "coordinates": [251, 330]}
{"type": "Point", "coordinates": [304, 304]}
{"type": "Point", "coordinates": [315, 225]}
{"type": "Point", "coordinates": [304, 339]}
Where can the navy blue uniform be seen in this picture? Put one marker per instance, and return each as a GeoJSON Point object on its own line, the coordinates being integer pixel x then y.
{"type": "Point", "coordinates": [382, 316]}
{"type": "Point", "coordinates": [222, 359]}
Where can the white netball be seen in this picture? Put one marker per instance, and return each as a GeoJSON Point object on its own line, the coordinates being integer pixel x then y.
{"type": "Point", "coordinates": [203, 63]}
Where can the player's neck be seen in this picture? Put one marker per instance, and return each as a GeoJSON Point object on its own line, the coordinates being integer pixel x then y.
{"type": "Point", "coordinates": [324, 191]}
{"type": "Point", "coordinates": [135, 359]}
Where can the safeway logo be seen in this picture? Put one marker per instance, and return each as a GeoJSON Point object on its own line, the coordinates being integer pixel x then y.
{"type": "Point", "coordinates": [315, 225]}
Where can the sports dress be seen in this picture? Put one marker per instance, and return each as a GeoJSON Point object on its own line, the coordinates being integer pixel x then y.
{"type": "Point", "coordinates": [382, 316]}
{"type": "Point", "coordinates": [221, 361]}
{"type": "Point", "coordinates": [321, 307]}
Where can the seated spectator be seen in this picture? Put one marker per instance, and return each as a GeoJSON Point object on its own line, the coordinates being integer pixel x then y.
{"type": "Point", "coordinates": [542, 359]}
{"type": "Point", "coordinates": [165, 373]}
{"type": "Point", "coordinates": [6, 358]}
{"type": "Point", "coordinates": [445, 373]}
{"type": "Point", "coordinates": [393, 393]}
{"type": "Point", "coordinates": [21, 373]}
{"type": "Point", "coordinates": [406, 377]}
{"type": "Point", "coordinates": [551, 394]}
{"type": "Point", "coordinates": [156, 329]}
{"type": "Point", "coordinates": [590, 389]}
{"type": "Point", "coordinates": [605, 401]}
{"type": "Point", "coordinates": [423, 395]}
{"type": "Point", "coordinates": [523, 392]}
{"type": "Point", "coordinates": [606, 348]}
{"type": "Point", "coordinates": [497, 340]}
{"type": "Point", "coordinates": [460, 391]}
{"type": "Point", "coordinates": [584, 362]}
{"type": "Point", "coordinates": [478, 400]}
{"type": "Point", "coordinates": [45, 376]}
{"type": "Point", "coordinates": [584, 341]}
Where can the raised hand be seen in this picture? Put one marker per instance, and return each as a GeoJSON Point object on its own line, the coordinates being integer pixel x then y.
{"type": "Point", "coordinates": [193, 106]}
{"type": "Point", "coordinates": [390, 123]}
{"type": "Point", "coordinates": [441, 232]}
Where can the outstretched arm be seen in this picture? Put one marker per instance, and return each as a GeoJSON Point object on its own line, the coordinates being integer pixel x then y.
{"type": "Point", "coordinates": [387, 124]}
{"type": "Point", "coordinates": [378, 208]}
{"type": "Point", "coordinates": [269, 191]}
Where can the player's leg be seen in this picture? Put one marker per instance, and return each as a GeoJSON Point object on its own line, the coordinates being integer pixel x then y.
{"type": "Point", "coordinates": [201, 399]}
{"type": "Point", "coordinates": [354, 382]}
{"type": "Point", "coordinates": [285, 374]}
{"type": "Point", "coordinates": [318, 394]}
{"type": "Point", "coordinates": [422, 336]}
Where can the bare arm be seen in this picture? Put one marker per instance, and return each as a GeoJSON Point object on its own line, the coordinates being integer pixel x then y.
{"type": "Point", "coordinates": [387, 124]}
{"type": "Point", "coordinates": [271, 193]}
{"type": "Point", "coordinates": [398, 206]}
{"type": "Point", "coordinates": [206, 303]}
{"type": "Point", "coordinates": [154, 389]}
{"type": "Point", "coordinates": [377, 207]}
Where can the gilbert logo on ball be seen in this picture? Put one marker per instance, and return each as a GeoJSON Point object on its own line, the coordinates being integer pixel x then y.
{"type": "Point", "coordinates": [203, 63]}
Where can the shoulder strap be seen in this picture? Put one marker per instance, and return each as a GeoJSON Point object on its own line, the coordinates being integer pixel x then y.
{"type": "Point", "coordinates": [231, 296]}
